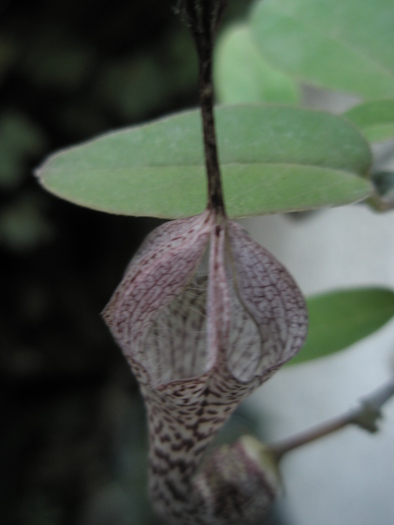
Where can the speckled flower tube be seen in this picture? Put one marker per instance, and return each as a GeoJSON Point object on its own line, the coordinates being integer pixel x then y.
{"type": "Point", "coordinates": [204, 315]}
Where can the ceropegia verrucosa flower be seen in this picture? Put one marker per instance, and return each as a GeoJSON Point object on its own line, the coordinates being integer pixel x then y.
{"type": "Point", "coordinates": [204, 315]}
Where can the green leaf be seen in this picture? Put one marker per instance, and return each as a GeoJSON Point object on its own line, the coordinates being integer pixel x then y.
{"type": "Point", "coordinates": [274, 159]}
{"type": "Point", "coordinates": [339, 319]}
{"type": "Point", "coordinates": [346, 46]}
{"type": "Point", "coordinates": [374, 118]}
{"type": "Point", "coordinates": [243, 75]}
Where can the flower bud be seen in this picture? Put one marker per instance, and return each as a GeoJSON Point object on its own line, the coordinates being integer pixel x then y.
{"type": "Point", "coordinates": [240, 482]}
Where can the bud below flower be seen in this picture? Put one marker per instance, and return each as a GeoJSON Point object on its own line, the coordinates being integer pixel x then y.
{"type": "Point", "coordinates": [240, 482]}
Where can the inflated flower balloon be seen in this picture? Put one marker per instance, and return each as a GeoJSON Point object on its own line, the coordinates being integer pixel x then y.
{"type": "Point", "coordinates": [204, 315]}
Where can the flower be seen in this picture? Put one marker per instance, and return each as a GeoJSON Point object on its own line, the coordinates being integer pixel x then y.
{"type": "Point", "coordinates": [203, 315]}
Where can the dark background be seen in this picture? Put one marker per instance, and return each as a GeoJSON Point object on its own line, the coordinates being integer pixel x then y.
{"type": "Point", "coordinates": [72, 438]}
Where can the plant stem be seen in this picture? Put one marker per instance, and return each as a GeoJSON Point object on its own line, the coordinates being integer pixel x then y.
{"type": "Point", "coordinates": [203, 17]}
{"type": "Point", "coordinates": [365, 416]}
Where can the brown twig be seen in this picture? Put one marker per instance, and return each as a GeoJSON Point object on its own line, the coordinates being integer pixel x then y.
{"type": "Point", "coordinates": [365, 416]}
{"type": "Point", "coordinates": [203, 16]}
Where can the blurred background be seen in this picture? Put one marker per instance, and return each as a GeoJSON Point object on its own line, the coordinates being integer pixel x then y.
{"type": "Point", "coordinates": [346, 478]}
{"type": "Point", "coordinates": [73, 438]}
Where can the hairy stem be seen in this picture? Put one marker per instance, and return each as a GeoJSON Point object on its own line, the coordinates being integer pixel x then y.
{"type": "Point", "coordinates": [365, 416]}
{"type": "Point", "coordinates": [203, 17]}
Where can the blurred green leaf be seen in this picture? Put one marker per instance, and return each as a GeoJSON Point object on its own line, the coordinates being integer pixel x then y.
{"type": "Point", "coordinates": [8, 55]}
{"type": "Point", "coordinates": [58, 59]}
{"type": "Point", "coordinates": [375, 119]}
{"type": "Point", "coordinates": [346, 46]}
{"type": "Point", "coordinates": [23, 225]}
{"type": "Point", "coordinates": [339, 319]}
{"type": "Point", "coordinates": [243, 75]}
{"type": "Point", "coordinates": [19, 139]}
{"type": "Point", "coordinates": [132, 85]}
{"type": "Point", "coordinates": [137, 84]}
{"type": "Point", "coordinates": [274, 159]}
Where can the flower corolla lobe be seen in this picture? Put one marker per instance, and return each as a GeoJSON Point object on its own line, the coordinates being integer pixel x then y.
{"type": "Point", "coordinates": [200, 298]}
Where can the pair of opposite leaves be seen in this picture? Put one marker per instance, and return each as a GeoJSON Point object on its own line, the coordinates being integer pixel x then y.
{"type": "Point", "coordinates": [204, 315]}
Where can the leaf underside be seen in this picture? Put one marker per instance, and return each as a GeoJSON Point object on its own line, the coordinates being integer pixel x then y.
{"type": "Point", "coordinates": [242, 75]}
{"type": "Point", "coordinates": [273, 159]}
{"type": "Point", "coordinates": [345, 46]}
{"type": "Point", "coordinates": [339, 319]}
{"type": "Point", "coordinates": [374, 118]}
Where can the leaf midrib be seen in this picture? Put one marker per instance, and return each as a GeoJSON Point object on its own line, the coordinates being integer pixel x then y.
{"type": "Point", "coordinates": [41, 173]}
